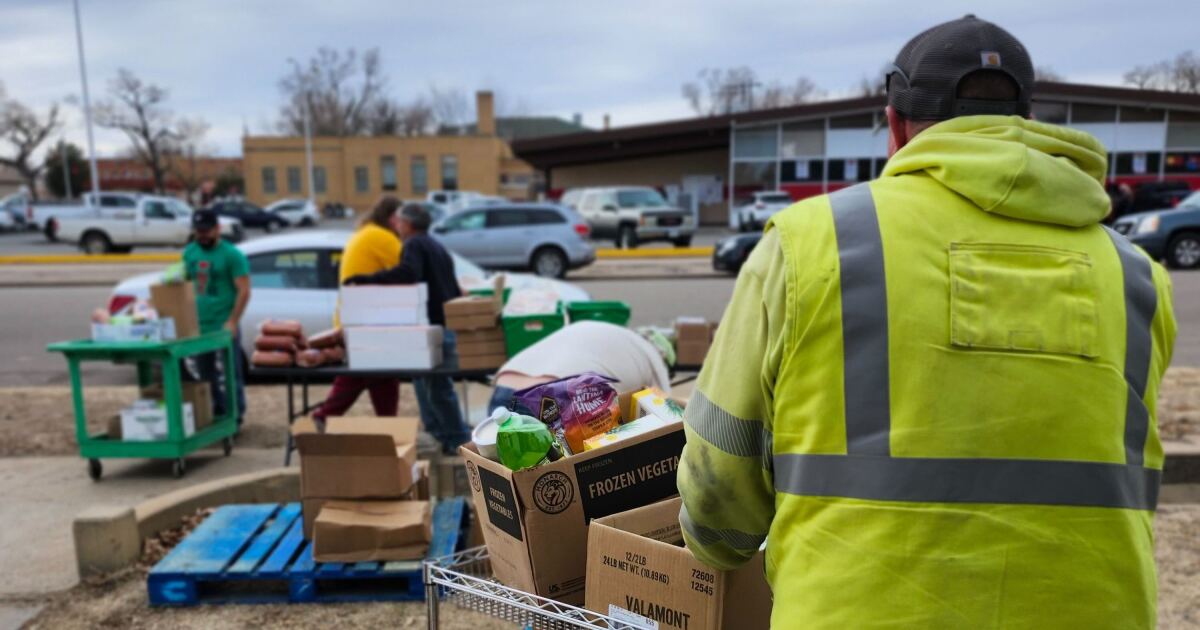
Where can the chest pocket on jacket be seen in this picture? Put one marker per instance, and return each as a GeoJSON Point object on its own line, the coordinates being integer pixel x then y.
{"type": "Point", "coordinates": [1022, 298]}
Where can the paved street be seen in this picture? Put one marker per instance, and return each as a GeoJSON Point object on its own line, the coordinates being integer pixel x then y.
{"type": "Point", "coordinates": [31, 317]}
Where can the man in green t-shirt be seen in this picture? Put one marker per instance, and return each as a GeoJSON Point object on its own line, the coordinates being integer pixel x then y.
{"type": "Point", "coordinates": [221, 275]}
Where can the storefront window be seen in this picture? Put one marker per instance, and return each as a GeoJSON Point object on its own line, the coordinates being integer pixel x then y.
{"type": "Point", "coordinates": [749, 177]}
{"type": "Point", "coordinates": [387, 172]}
{"type": "Point", "coordinates": [803, 139]}
{"type": "Point", "coordinates": [293, 179]}
{"type": "Point", "coordinates": [1052, 112]}
{"type": "Point", "coordinates": [419, 174]}
{"type": "Point", "coordinates": [757, 143]}
{"type": "Point", "coordinates": [319, 179]}
{"type": "Point", "coordinates": [362, 179]}
{"type": "Point", "coordinates": [1179, 162]}
{"type": "Point", "coordinates": [1138, 163]}
{"type": "Point", "coordinates": [268, 180]}
{"type": "Point", "coordinates": [1183, 131]}
{"type": "Point", "coordinates": [449, 172]}
{"type": "Point", "coordinates": [1088, 113]}
{"type": "Point", "coordinates": [802, 171]}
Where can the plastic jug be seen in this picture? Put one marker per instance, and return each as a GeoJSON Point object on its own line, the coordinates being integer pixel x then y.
{"type": "Point", "coordinates": [524, 442]}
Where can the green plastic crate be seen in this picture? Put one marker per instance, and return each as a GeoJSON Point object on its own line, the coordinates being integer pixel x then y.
{"type": "Point", "coordinates": [491, 292]}
{"type": "Point", "coordinates": [611, 312]}
{"type": "Point", "coordinates": [522, 331]}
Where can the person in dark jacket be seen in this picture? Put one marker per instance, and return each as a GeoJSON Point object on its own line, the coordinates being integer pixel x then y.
{"type": "Point", "coordinates": [425, 260]}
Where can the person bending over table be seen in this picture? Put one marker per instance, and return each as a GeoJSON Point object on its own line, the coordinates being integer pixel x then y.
{"type": "Point", "coordinates": [375, 246]}
{"type": "Point", "coordinates": [425, 260]}
{"type": "Point", "coordinates": [634, 359]}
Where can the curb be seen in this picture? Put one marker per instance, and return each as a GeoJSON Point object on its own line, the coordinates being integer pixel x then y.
{"type": "Point", "coordinates": [109, 538]}
{"type": "Point", "coordinates": [85, 259]}
{"type": "Point", "coordinates": [58, 259]}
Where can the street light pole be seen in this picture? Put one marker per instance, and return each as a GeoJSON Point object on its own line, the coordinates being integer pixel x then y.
{"type": "Point", "coordinates": [87, 108]}
{"type": "Point", "coordinates": [312, 196]}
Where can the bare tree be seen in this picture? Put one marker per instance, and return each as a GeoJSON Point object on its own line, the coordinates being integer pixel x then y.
{"type": "Point", "coordinates": [416, 118]}
{"type": "Point", "coordinates": [24, 131]}
{"type": "Point", "coordinates": [181, 155]}
{"type": "Point", "coordinates": [719, 91]}
{"type": "Point", "coordinates": [1181, 74]}
{"type": "Point", "coordinates": [1047, 73]}
{"type": "Point", "coordinates": [341, 91]}
{"type": "Point", "coordinates": [139, 110]}
{"type": "Point", "coordinates": [874, 86]}
{"type": "Point", "coordinates": [450, 106]}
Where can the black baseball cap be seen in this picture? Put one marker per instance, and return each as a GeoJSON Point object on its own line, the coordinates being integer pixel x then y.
{"type": "Point", "coordinates": [204, 219]}
{"type": "Point", "coordinates": [923, 81]}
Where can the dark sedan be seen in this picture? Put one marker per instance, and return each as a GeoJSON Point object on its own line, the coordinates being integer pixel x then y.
{"type": "Point", "coordinates": [250, 215]}
{"type": "Point", "coordinates": [731, 253]}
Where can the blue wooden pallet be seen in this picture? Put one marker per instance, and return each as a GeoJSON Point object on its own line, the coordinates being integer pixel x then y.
{"type": "Point", "coordinates": [257, 554]}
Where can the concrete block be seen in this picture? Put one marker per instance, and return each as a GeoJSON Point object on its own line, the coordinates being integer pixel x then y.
{"type": "Point", "coordinates": [106, 540]}
{"type": "Point", "coordinates": [277, 485]}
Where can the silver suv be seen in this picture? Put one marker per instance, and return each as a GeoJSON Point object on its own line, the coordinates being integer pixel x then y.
{"type": "Point", "coordinates": [544, 238]}
{"type": "Point", "coordinates": [632, 215]}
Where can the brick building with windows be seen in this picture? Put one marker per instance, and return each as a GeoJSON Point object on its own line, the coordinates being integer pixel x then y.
{"type": "Point", "coordinates": [356, 170]}
{"type": "Point", "coordinates": [820, 147]}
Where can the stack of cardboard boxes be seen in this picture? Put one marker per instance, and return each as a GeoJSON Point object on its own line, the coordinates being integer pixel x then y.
{"type": "Point", "coordinates": [475, 321]}
{"type": "Point", "coordinates": [693, 336]}
{"type": "Point", "coordinates": [387, 328]}
{"type": "Point", "coordinates": [364, 495]}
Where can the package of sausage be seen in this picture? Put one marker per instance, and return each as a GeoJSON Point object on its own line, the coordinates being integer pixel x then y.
{"type": "Point", "coordinates": [271, 358]}
{"type": "Point", "coordinates": [282, 343]}
{"type": "Point", "coordinates": [310, 358]}
{"type": "Point", "coordinates": [334, 355]}
{"type": "Point", "coordinates": [327, 339]}
{"type": "Point", "coordinates": [288, 327]}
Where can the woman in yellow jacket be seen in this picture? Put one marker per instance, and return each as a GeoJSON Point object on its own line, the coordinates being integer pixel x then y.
{"type": "Point", "coordinates": [374, 247]}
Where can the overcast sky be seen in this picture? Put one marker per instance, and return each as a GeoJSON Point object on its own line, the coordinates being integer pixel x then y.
{"type": "Point", "coordinates": [222, 59]}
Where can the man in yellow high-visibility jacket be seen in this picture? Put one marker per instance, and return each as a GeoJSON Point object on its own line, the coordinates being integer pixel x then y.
{"type": "Point", "coordinates": [934, 393]}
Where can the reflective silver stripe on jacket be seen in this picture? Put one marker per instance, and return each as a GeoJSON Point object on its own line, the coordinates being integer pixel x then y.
{"type": "Point", "coordinates": [868, 471]}
{"type": "Point", "coordinates": [1141, 301]}
{"type": "Point", "coordinates": [731, 434]}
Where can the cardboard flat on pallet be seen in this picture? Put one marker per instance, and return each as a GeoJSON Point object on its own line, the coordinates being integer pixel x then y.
{"type": "Point", "coordinates": [357, 458]}
{"type": "Point", "coordinates": [372, 531]}
{"type": "Point", "coordinates": [478, 348]}
{"type": "Point", "coordinates": [394, 347]}
{"type": "Point", "coordinates": [636, 563]}
{"type": "Point", "coordinates": [177, 301]}
{"type": "Point", "coordinates": [405, 305]}
{"type": "Point", "coordinates": [420, 491]}
{"type": "Point", "coordinates": [535, 521]}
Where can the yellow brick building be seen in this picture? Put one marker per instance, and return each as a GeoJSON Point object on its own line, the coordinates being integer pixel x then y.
{"type": "Point", "coordinates": [357, 170]}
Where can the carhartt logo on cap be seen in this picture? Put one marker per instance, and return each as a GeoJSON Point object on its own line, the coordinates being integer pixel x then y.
{"type": "Point", "coordinates": [989, 59]}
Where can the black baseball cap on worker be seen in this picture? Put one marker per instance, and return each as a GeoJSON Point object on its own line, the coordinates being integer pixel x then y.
{"type": "Point", "coordinates": [923, 81]}
{"type": "Point", "coordinates": [204, 220]}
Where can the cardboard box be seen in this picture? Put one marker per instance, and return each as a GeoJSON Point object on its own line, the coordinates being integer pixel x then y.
{"type": "Point", "coordinates": [482, 361]}
{"type": "Point", "coordinates": [372, 531]}
{"type": "Point", "coordinates": [473, 312]}
{"type": "Point", "coordinates": [693, 337]}
{"type": "Point", "coordinates": [148, 423]}
{"type": "Point", "coordinates": [636, 563]}
{"type": "Point", "coordinates": [471, 322]}
{"type": "Point", "coordinates": [357, 458]}
{"type": "Point", "coordinates": [478, 348]}
{"type": "Point", "coordinates": [481, 336]}
{"type": "Point", "coordinates": [198, 393]}
{"type": "Point", "coordinates": [311, 507]}
{"type": "Point", "coordinates": [177, 301]}
{"type": "Point", "coordinates": [394, 347]}
{"type": "Point", "coordinates": [535, 521]}
{"type": "Point", "coordinates": [405, 305]}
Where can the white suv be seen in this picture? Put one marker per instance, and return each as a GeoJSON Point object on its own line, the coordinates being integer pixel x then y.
{"type": "Point", "coordinates": [763, 205]}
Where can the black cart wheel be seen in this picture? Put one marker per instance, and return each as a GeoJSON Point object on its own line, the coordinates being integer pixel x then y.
{"type": "Point", "coordinates": [95, 469]}
{"type": "Point", "coordinates": [178, 468]}
{"type": "Point", "coordinates": [227, 446]}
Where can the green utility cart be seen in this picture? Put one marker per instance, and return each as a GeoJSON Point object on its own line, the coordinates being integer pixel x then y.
{"type": "Point", "coordinates": [144, 354]}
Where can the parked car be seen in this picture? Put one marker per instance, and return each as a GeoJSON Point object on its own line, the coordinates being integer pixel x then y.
{"type": "Point", "coordinates": [154, 221]}
{"type": "Point", "coordinates": [16, 206]}
{"type": "Point", "coordinates": [763, 205]}
{"type": "Point", "coordinates": [732, 252]}
{"type": "Point", "coordinates": [302, 212]}
{"type": "Point", "coordinates": [1171, 235]}
{"type": "Point", "coordinates": [452, 201]}
{"type": "Point", "coordinates": [635, 214]}
{"type": "Point", "coordinates": [1157, 195]}
{"type": "Point", "coordinates": [7, 223]}
{"type": "Point", "coordinates": [250, 215]}
{"type": "Point", "coordinates": [545, 238]}
{"type": "Point", "coordinates": [294, 276]}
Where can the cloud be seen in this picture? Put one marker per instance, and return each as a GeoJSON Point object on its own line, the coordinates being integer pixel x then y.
{"type": "Point", "coordinates": [222, 59]}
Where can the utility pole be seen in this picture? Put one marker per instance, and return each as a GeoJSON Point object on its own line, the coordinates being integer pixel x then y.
{"type": "Point", "coordinates": [66, 167]}
{"type": "Point", "coordinates": [87, 108]}
{"type": "Point", "coordinates": [312, 196]}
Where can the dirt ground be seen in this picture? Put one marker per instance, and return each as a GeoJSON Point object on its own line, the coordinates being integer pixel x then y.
{"type": "Point", "coordinates": [120, 601]}
{"type": "Point", "coordinates": [39, 420]}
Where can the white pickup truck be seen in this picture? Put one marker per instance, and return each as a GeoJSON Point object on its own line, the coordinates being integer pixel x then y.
{"type": "Point", "coordinates": [151, 221]}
